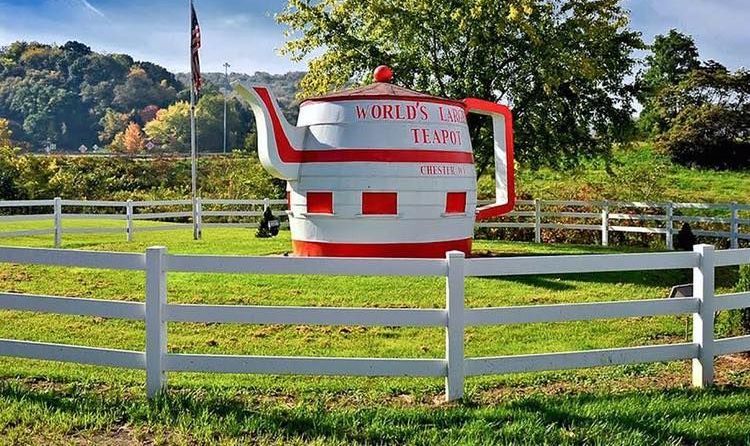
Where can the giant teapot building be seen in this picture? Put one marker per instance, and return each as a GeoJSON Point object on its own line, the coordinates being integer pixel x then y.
{"type": "Point", "coordinates": [380, 170]}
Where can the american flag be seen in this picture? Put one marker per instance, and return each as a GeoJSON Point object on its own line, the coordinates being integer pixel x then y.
{"type": "Point", "coordinates": [195, 45]}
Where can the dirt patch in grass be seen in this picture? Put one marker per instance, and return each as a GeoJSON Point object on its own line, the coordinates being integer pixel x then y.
{"type": "Point", "coordinates": [122, 436]}
{"type": "Point", "coordinates": [733, 370]}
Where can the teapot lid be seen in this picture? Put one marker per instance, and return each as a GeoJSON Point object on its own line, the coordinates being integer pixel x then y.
{"type": "Point", "coordinates": [381, 89]}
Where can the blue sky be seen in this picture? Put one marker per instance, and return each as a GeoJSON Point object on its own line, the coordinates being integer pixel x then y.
{"type": "Point", "coordinates": [244, 33]}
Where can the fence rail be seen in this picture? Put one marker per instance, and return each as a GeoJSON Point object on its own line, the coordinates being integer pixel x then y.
{"type": "Point", "coordinates": [131, 212]}
{"type": "Point", "coordinates": [157, 312]}
{"type": "Point", "coordinates": [605, 217]}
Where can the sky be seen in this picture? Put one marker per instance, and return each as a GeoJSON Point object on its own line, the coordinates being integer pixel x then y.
{"type": "Point", "coordinates": [244, 33]}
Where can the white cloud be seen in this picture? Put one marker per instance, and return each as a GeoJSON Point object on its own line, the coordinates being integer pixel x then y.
{"type": "Point", "coordinates": [93, 9]}
{"type": "Point", "coordinates": [235, 20]}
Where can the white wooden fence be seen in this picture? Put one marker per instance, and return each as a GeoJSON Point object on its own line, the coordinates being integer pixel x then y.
{"type": "Point", "coordinates": [132, 211]}
{"type": "Point", "coordinates": [454, 366]}
{"type": "Point", "coordinates": [605, 217]}
{"type": "Point", "coordinates": [660, 219]}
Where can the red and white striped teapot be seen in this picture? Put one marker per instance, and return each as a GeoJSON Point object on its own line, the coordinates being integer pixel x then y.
{"type": "Point", "coordinates": [380, 170]}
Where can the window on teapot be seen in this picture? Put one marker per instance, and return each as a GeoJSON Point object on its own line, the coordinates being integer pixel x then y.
{"type": "Point", "coordinates": [379, 203]}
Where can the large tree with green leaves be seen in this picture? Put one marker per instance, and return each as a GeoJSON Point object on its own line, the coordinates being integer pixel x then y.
{"type": "Point", "coordinates": [560, 64]}
{"type": "Point", "coordinates": [707, 118]}
{"type": "Point", "coordinates": [673, 57]}
{"type": "Point", "coordinates": [171, 128]}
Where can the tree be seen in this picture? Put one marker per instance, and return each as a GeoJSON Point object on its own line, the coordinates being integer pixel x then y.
{"type": "Point", "coordinates": [560, 64]}
{"type": "Point", "coordinates": [209, 116]}
{"type": "Point", "coordinates": [9, 174]}
{"type": "Point", "coordinates": [112, 123]}
{"type": "Point", "coordinates": [5, 133]}
{"type": "Point", "coordinates": [8, 169]}
{"type": "Point", "coordinates": [139, 90]}
{"type": "Point", "coordinates": [133, 140]}
{"type": "Point", "coordinates": [707, 116]}
{"type": "Point", "coordinates": [673, 57]}
{"type": "Point", "coordinates": [147, 113]}
{"type": "Point", "coordinates": [171, 128]}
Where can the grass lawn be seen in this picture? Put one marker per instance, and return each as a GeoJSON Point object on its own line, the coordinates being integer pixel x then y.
{"type": "Point", "coordinates": [636, 173]}
{"type": "Point", "coordinates": [641, 404]}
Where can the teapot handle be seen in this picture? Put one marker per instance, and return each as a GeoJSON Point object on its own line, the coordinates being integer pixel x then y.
{"type": "Point", "coordinates": [502, 125]}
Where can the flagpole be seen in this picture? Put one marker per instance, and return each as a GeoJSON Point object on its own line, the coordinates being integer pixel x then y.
{"type": "Point", "coordinates": [193, 170]}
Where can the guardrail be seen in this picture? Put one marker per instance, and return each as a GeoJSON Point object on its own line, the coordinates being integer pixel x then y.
{"type": "Point", "coordinates": [157, 312]}
{"type": "Point", "coordinates": [605, 217]}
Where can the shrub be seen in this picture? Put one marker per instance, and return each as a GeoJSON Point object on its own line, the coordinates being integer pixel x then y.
{"type": "Point", "coordinates": [106, 178]}
{"type": "Point", "coordinates": [8, 174]}
{"type": "Point", "coordinates": [708, 136]}
{"type": "Point", "coordinates": [707, 118]}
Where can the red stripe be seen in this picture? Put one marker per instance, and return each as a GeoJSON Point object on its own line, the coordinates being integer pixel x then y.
{"type": "Point", "coordinates": [289, 154]}
{"type": "Point", "coordinates": [393, 250]}
{"type": "Point", "coordinates": [386, 156]}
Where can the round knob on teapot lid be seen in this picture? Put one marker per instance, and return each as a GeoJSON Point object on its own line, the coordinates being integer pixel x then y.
{"type": "Point", "coordinates": [383, 73]}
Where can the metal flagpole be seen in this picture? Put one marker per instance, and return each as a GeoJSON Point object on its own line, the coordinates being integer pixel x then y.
{"type": "Point", "coordinates": [226, 92]}
{"type": "Point", "coordinates": [193, 170]}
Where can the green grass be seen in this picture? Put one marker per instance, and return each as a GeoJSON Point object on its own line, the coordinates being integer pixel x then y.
{"type": "Point", "coordinates": [635, 174]}
{"type": "Point", "coordinates": [53, 402]}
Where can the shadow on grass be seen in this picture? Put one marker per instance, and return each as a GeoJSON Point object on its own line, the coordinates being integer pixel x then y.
{"type": "Point", "coordinates": [725, 276]}
{"type": "Point", "coordinates": [658, 417]}
{"type": "Point", "coordinates": [672, 416]}
{"type": "Point", "coordinates": [565, 282]}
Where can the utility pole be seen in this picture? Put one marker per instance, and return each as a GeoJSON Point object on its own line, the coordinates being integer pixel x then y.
{"type": "Point", "coordinates": [226, 93]}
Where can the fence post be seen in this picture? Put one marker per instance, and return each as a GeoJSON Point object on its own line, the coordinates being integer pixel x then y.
{"type": "Point", "coordinates": [605, 223]}
{"type": "Point", "coordinates": [734, 240]}
{"type": "Point", "coordinates": [129, 220]}
{"type": "Point", "coordinates": [703, 321]}
{"type": "Point", "coordinates": [537, 221]}
{"type": "Point", "coordinates": [198, 218]}
{"type": "Point", "coordinates": [669, 225]}
{"type": "Point", "coordinates": [57, 203]}
{"type": "Point", "coordinates": [156, 326]}
{"type": "Point", "coordinates": [454, 332]}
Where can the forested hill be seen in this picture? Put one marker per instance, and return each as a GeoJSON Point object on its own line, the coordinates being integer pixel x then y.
{"type": "Point", "coordinates": [65, 94]}
{"type": "Point", "coordinates": [70, 95]}
{"type": "Point", "coordinates": [284, 85]}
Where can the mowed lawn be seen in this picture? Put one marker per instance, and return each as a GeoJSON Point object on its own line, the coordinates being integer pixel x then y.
{"type": "Point", "coordinates": [641, 404]}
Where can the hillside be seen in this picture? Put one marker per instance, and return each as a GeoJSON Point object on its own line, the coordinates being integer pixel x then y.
{"type": "Point", "coordinates": [68, 94]}
{"type": "Point", "coordinates": [636, 173]}
{"type": "Point", "coordinates": [284, 85]}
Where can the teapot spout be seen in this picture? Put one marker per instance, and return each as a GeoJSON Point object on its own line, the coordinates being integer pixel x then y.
{"type": "Point", "coordinates": [279, 142]}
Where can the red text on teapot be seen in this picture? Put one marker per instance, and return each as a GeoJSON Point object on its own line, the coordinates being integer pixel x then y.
{"type": "Point", "coordinates": [436, 136]}
{"type": "Point", "coordinates": [393, 112]}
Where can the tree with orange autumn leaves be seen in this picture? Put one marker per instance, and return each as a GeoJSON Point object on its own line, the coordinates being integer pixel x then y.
{"type": "Point", "coordinates": [130, 141]}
